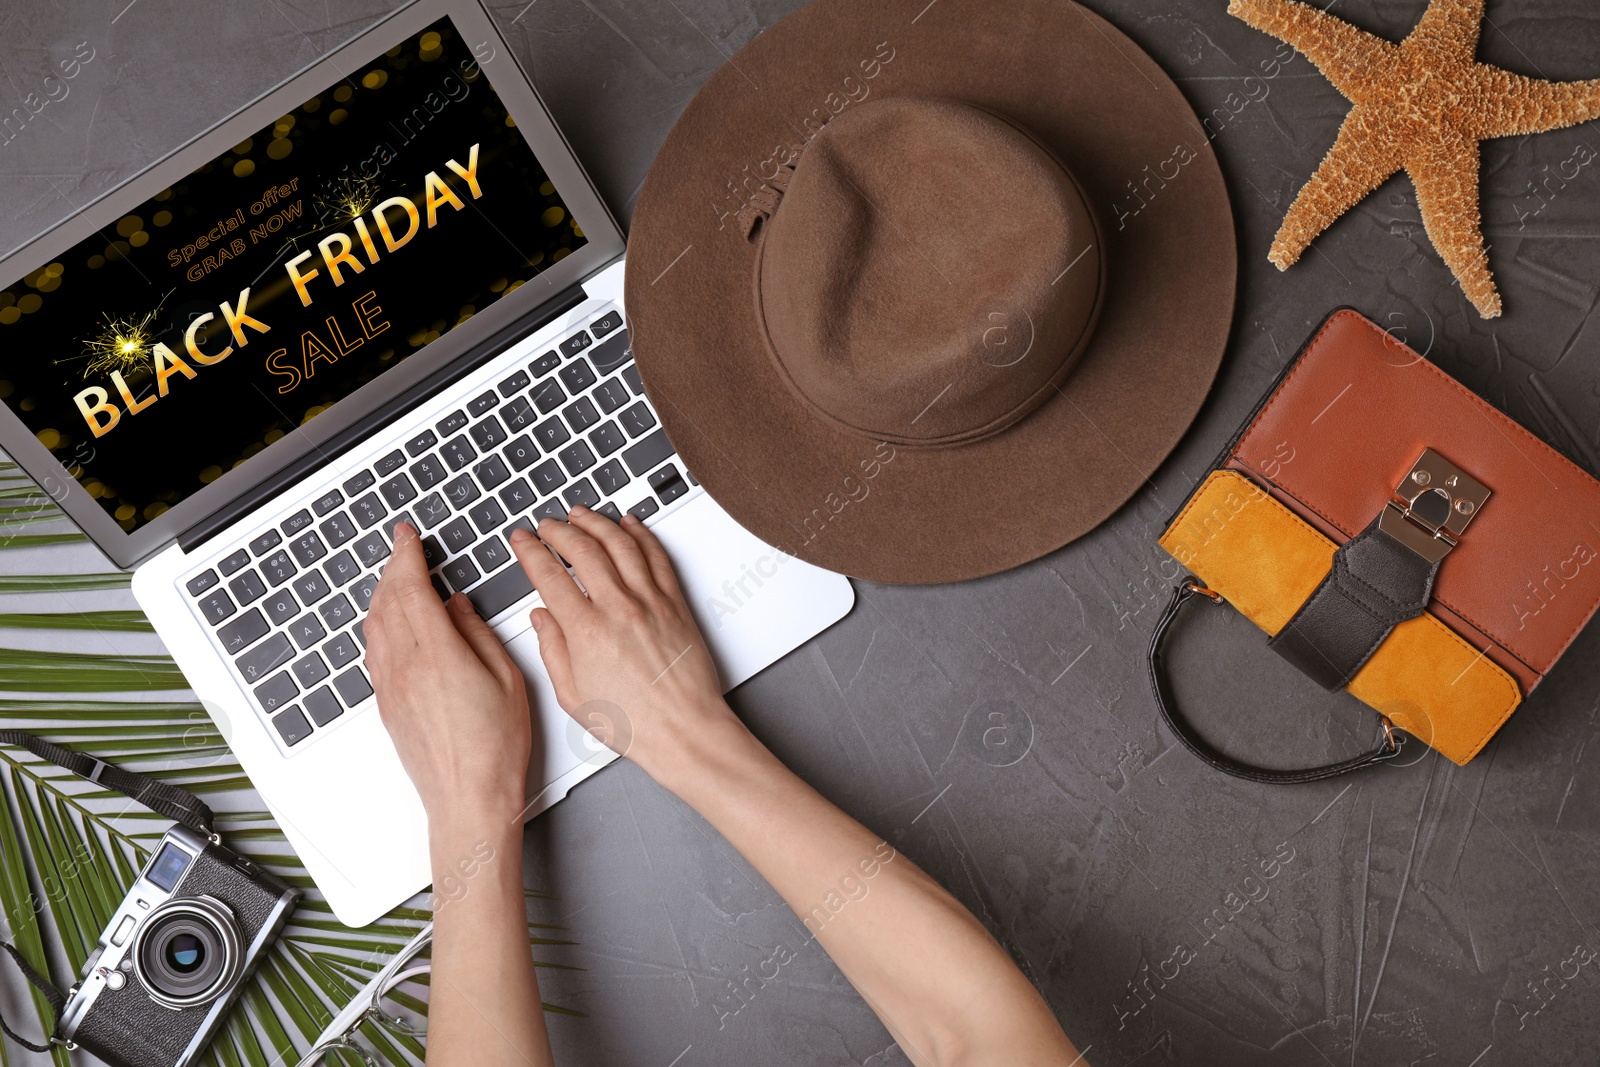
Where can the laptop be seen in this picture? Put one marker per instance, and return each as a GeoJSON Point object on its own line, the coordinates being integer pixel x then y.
{"type": "Point", "coordinates": [385, 290]}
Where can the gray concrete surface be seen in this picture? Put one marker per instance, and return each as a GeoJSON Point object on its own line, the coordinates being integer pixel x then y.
{"type": "Point", "coordinates": [1424, 914]}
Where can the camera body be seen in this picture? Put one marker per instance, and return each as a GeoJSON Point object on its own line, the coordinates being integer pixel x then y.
{"type": "Point", "coordinates": [174, 956]}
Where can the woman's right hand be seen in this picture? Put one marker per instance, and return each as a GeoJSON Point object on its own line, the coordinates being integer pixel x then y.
{"type": "Point", "coordinates": [627, 661]}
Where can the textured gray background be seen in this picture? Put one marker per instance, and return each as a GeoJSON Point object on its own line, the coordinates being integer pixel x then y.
{"type": "Point", "coordinates": [1424, 914]}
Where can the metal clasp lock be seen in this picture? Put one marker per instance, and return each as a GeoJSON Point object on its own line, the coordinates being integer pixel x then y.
{"type": "Point", "coordinates": [1432, 506]}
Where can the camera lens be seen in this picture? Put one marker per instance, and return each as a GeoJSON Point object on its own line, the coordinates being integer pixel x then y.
{"type": "Point", "coordinates": [188, 951]}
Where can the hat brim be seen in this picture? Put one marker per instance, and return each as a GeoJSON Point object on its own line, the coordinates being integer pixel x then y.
{"type": "Point", "coordinates": [900, 514]}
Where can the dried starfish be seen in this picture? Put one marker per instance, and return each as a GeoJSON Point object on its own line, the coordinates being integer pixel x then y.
{"type": "Point", "coordinates": [1422, 105]}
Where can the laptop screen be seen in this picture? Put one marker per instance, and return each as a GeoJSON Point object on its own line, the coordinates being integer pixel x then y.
{"type": "Point", "coordinates": [242, 301]}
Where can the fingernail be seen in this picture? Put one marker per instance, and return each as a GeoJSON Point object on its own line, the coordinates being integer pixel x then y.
{"type": "Point", "coordinates": [404, 531]}
{"type": "Point", "coordinates": [577, 508]}
{"type": "Point", "coordinates": [630, 519]}
{"type": "Point", "coordinates": [459, 602]}
{"type": "Point", "coordinates": [521, 533]}
{"type": "Point", "coordinates": [538, 622]}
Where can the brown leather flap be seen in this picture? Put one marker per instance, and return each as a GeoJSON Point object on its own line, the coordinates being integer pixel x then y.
{"type": "Point", "coordinates": [1359, 408]}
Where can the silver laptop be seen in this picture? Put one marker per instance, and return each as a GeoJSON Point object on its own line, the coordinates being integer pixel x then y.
{"type": "Point", "coordinates": [386, 290]}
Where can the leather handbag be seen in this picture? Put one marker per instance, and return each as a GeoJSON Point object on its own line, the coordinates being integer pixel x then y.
{"type": "Point", "coordinates": [1396, 537]}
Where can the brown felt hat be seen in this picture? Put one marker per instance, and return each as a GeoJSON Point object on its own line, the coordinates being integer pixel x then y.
{"type": "Point", "coordinates": [923, 291]}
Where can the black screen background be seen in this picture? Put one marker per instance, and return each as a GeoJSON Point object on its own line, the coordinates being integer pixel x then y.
{"type": "Point", "coordinates": [374, 135]}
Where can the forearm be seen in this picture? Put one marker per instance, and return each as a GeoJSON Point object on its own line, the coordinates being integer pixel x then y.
{"type": "Point", "coordinates": [485, 1007]}
{"type": "Point", "coordinates": [943, 987]}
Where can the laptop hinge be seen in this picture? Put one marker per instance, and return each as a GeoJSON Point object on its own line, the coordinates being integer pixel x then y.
{"type": "Point", "coordinates": [359, 431]}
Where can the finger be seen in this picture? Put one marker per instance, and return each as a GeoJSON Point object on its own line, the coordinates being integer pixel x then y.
{"type": "Point", "coordinates": [548, 576]}
{"type": "Point", "coordinates": [410, 598]}
{"type": "Point", "coordinates": [484, 644]}
{"type": "Point", "coordinates": [666, 579]}
{"type": "Point", "coordinates": [557, 659]}
{"type": "Point", "coordinates": [622, 550]}
{"type": "Point", "coordinates": [590, 563]}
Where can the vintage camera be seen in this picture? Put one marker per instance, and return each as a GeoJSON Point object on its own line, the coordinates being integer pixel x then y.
{"type": "Point", "coordinates": [175, 954]}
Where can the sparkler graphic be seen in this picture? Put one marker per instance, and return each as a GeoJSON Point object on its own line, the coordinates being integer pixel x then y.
{"type": "Point", "coordinates": [123, 344]}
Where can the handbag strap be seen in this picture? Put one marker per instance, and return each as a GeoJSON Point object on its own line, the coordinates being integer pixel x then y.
{"type": "Point", "coordinates": [51, 994]}
{"type": "Point", "coordinates": [176, 804]}
{"type": "Point", "coordinates": [1387, 749]}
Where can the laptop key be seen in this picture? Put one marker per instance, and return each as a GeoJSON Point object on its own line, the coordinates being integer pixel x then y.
{"type": "Point", "coordinates": [338, 612]}
{"type": "Point", "coordinates": [492, 554]}
{"type": "Point", "coordinates": [360, 630]}
{"type": "Point", "coordinates": [364, 480]}
{"type": "Point", "coordinates": [428, 472]}
{"type": "Point", "coordinates": [491, 472]}
{"type": "Point", "coordinates": [575, 344]}
{"type": "Point", "coordinates": [524, 523]}
{"type": "Point", "coordinates": [668, 484]}
{"type": "Point", "coordinates": [500, 592]}
{"type": "Point", "coordinates": [514, 384]}
{"type": "Point", "coordinates": [327, 502]}
{"type": "Point", "coordinates": [362, 592]}
{"type": "Point", "coordinates": [482, 403]}
{"type": "Point", "coordinates": [611, 477]}
{"type": "Point", "coordinates": [265, 658]}
{"type": "Point", "coordinates": [421, 443]}
{"type": "Point", "coordinates": [202, 581]}
{"type": "Point", "coordinates": [548, 477]}
{"type": "Point", "coordinates": [275, 692]}
{"type": "Point", "coordinates": [341, 650]}
{"type": "Point", "coordinates": [458, 535]}
{"type": "Point", "coordinates": [611, 394]}
{"type": "Point", "coordinates": [577, 376]}
{"type": "Point", "coordinates": [278, 568]}
{"type": "Point", "coordinates": [307, 630]}
{"type": "Point", "coordinates": [341, 569]}
{"type": "Point", "coordinates": [433, 552]}
{"type": "Point", "coordinates": [612, 354]}
{"type": "Point", "coordinates": [609, 510]}
{"type": "Point", "coordinates": [281, 606]}
{"type": "Point", "coordinates": [517, 414]}
{"type": "Point", "coordinates": [296, 522]}
{"type": "Point", "coordinates": [521, 453]}
{"type": "Point", "coordinates": [372, 549]}
{"type": "Point", "coordinates": [451, 423]}
{"type": "Point", "coordinates": [265, 543]}
{"type": "Point", "coordinates": [580, 414]}
{"type": "Point", "coordinates": [551, 434]}
{"type": "Point", "coordinates": [544, 364]}
{"type": "Point", "coordinates": [398, 491]}
{"type": "Point", "coordinates": [630, 374]}
{"type": "Point", "coordinates": [308, 548]}
{"type": "Point", "coordinates": [231, 564]}
{"type": "Point", "coordinates": [637, 420]}
{"type": "Point", "coordinates": [607, 439]}
{"type": "Point", "coordinates": [311, 587]}
{"type": "Point", "coordinates": [550, 509]}
{"type": "Point", "coordinates": [322, 706]}
{"type": "Point", "coordinates": [390, 463]}
{"type": "Point", "coordinates": [462, 491]}
{"type": "Point", "coordinates": [248, 587]}
{"type": "Point", "coordinates": [606, 323]}
{"type": "Point", "coordinates": [648, 454]}
{"type": "Point", "coordinates": [458, 452]}
{"type": "Point", "coordinates": [309, 670]}
{"type": "Point", "coordinates": [432, 510]}
{"type": "Point", "coordinates": [292, 726]}
{"type": "Point", "coordinates": [368, 511]}
{"type": "Point", "coordinates": [439, 586]}
{"type": "Point", "coordinates": [577, 458]}
{"type": "Point", "coordinates": [488, 433]}
{"type": "Point", "coordinates": [243, 632]}
{"type": "Point", "coordinates": [517, 496]}
{"type": "Point", "coordinates": [488, 515]}
{"type": "Point", "coordinates": [581, 494]}
{"type": "Point", "coordinates": [644, 508]}
{"type": "Point", "coordinates": [352, 686]}
{"type": "Point", "coordinates": [548, 396]}
{"type": "Point", "coordinates": [337, 530]}
{"type": "Point", "coordinates": [460, 572]}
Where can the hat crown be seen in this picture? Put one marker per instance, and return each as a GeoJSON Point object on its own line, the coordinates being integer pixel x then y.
{"type": "Point", "coordinates": [932, 273]}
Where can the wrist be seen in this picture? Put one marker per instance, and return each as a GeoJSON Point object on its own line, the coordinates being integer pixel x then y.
{"type": "Point", "coordinates": [687, 759]}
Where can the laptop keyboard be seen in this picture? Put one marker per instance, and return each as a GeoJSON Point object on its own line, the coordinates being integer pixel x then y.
{"type": "Point", "coordinates": [533, 439]}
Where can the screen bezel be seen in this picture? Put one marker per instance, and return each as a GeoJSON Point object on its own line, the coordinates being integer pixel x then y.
{"type": "Point", "coordinates": [510, 82]}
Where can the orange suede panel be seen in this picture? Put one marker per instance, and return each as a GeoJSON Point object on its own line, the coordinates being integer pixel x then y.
{"type": "Point", "coordinates": [1266, 561]}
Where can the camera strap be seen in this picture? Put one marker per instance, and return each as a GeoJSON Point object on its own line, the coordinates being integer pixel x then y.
{"type": "Point", "coordinates": [176, 804]}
